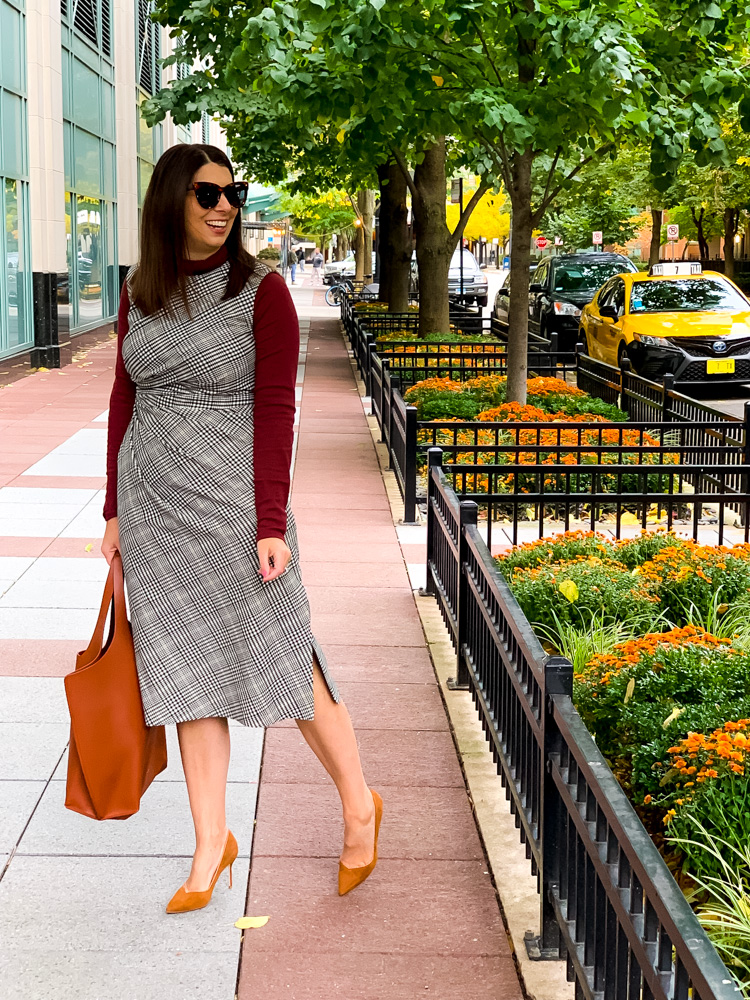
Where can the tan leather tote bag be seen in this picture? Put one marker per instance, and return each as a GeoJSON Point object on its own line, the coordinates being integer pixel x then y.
{"type": "Point", "coordinates": [114, 756]}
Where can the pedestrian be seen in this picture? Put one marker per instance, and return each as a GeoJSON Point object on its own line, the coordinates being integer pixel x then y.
{"type": "Point", "coordinates": [317, 263]}
{"type": "Point", "coordinates": [197, 503]}
{"type": "Point", "coordinates": [291, 260]}
{"type": "Point", "coordinates": [301, 259]}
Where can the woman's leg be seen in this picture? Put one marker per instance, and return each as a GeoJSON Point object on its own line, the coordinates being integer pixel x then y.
{"type": "Point", "coordinates": [331, 737]}
{"type": "Point", "coordinates": [204, 746]}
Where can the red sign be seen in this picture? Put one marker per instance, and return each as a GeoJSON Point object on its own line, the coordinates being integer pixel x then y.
{"type": "Point", "coordinates": [542, 242]}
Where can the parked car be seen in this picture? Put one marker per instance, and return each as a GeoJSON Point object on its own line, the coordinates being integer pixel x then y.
{"type": "Point", "coordinates": [475, 280]}
{"type": "Point", "coordinates": [560, 288]}
{"type": "Point", "coordinates": [677, 320]}
{"type": "Point", "coordinates": [344, 268]}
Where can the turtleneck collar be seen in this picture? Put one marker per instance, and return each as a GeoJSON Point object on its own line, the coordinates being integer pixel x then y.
{"type": "Point", "coordinates": [208, 263]}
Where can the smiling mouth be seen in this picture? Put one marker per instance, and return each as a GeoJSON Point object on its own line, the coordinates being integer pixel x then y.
{"type": "Point", "coordinates": [218, 226]}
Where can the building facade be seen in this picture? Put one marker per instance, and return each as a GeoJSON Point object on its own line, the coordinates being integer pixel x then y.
{"type": "Point", "coordinates": [75, 161]}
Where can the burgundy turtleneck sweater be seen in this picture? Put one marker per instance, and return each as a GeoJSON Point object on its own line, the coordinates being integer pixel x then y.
{"type": "Point", "coordinates": [276, 333]}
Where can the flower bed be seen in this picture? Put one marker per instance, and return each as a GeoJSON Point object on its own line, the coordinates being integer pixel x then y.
{"type": "Point", "coordinates": [443, 398]}
{"type": "Point", "coordinates": [658, 629]}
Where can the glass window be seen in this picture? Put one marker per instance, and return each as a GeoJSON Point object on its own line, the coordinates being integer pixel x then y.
{"type": "Point", "coordinates": [17, 276]}
{"type": "Point", "coordinates": [618, 296]}
{"type": "Point", "coordinates": [86, 87]}
{"type": "Point", "coordinates": [12, 139]}
{"type": "Point", "coordinates": [539, 277]}
{"type": "Point", "coordinates": [605, 294]}
{"type": "Point", "coordinates": [11, 47]}
{"type": "Point", "coordinates": [66, 298]}
{"type": "Point", "coordinates": [686, 295]}
{"type": "Point", "coordinates": [89, 253]}
{"type": "Point", "coordinates": [87, 163]}
{"type": "Point", "coordinates": [587, 275]}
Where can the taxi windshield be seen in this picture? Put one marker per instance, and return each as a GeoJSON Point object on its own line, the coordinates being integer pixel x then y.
{"type": "Point", "coordinates": [685, 295]}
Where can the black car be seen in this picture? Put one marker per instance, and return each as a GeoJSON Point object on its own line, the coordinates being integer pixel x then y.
{"type": "Point", "coordinates": [560, 288]}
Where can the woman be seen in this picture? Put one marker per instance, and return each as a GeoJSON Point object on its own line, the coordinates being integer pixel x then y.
{"type": "Point", "coordinates": [197, 503]}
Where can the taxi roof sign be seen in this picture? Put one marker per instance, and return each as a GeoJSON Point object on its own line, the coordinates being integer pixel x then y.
{"type": "Point", "coordinates": [667, 267]}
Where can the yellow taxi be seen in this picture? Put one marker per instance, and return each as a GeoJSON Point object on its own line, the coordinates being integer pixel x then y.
{"type": "Point", "coordinates": [677, 319]}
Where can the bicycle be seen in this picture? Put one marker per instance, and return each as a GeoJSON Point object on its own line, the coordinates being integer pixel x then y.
{"type": "Point", "coordinates": [334, 293]}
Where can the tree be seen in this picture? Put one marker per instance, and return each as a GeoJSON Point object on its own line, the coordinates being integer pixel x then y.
{"type": "Point", "coordinates": [490, 218]}
{"type": "Point", "coordinates": [320, 216]}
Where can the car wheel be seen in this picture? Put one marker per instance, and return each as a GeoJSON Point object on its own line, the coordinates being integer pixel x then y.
{"type": "Point", "coordinates": [621, 353]}
{"type": "Point", "coordinates": [482, 301]}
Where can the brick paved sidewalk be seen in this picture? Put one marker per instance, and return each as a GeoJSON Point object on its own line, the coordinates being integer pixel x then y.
{"type": "Point", "coordinates": [81, 904]}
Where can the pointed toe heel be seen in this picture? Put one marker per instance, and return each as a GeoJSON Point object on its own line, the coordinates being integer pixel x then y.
{"type": "Point", "coordinates": [350, 878]}
{"type": "Point", "coordinates": [184, 901]}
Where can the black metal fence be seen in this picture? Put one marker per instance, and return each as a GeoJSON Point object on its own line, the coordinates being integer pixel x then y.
{"type": "Point", "coordinates": [583, 472]}
{"type": "Point", "coordinates": [608, 902]}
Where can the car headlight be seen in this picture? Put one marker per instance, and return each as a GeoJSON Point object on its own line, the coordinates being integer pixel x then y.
{"type": "Point", "coordinates": [649, 341]}
{"type": "Point", "coordinates": [481, 278]}
{"type": "Point", "coordinates": [566, 309]}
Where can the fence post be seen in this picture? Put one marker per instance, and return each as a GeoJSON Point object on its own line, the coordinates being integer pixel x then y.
{"type": "Point", "coordinates": [434, 458]}
{"type": "Point", "coordinates": [395, 385]}
{"type": "Point", "coordinates": [558, 680]}
{"type": "Point", "coordinates": [410, 465]}
{"type": "Point", "coordinates": [468, 511]}
{"type": "Point", "coordinates": [368, 376]}
{"type": "Point", "coordinates": [384, 374]}
{"type": "Point", "coordinates": [554, 339]}
{"type": "Point", "coordinates": [625, 370]}
{"type": "Point", "coordinates": [667, 386]}
{"type": "Point", "coordinates": [746, 457]}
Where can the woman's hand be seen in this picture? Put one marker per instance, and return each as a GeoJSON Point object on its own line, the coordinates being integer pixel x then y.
{"type": "Point", "coordinates": [111, 540]}
{"type": "Point", "coordinates": [273, 555]}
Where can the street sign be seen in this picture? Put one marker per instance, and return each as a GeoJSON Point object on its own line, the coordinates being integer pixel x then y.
{"type": "Point", "coordinates": [558, 241]}
{"type": "Point", "coordinates": [542, 242]}
{"type": "Point", "coordinates": [456, 185]}
{"type": "Point", "coordinates": [673, 231]}
{"type": "Point", "coordinates": [596, 237]}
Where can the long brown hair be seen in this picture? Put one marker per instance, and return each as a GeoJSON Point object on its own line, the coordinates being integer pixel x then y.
{"type": "Point", "coordinates": [160, 272]}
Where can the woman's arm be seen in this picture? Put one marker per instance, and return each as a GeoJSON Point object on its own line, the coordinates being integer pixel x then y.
{"type": "Point", "coordinates": [276, 331]}
{"type": "Point", "coordinates": [121, 403]}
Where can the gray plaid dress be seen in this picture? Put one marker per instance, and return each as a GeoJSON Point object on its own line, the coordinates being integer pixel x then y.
{"type": "Point", "coordinates": [211, 639]}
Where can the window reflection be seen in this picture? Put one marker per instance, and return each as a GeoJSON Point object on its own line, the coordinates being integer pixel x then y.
{"type": "Point", "coordinates": [685, 295]}
{"type": "Point", "coordinates": [89, 251]}
{"type": "Point", "coordinates": [18, 299]}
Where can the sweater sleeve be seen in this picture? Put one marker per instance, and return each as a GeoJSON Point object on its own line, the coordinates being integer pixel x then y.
{"type": "Point", "coordinates": [276, 331]}
{"type": "Point", "coordinates": [121, 403]}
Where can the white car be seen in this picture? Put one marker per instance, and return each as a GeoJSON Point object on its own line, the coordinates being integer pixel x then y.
{"type": "Point", "coordinates": [345, 268]}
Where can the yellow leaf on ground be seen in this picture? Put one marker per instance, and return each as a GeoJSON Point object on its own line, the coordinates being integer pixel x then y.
{"type": "Point", "coordinates": [245, 922]}
{"type": "Point", "coordinates": [674, 714]}
{"type": "Point", "coordinates": [569, 590]}
{"type": "Point", "coordinates": [438, 80]}
{"type": "Point", "coordinates": [89, 547]}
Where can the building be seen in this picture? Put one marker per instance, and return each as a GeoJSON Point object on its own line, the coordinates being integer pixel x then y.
{"type": "Point", "coordinates": [75, 161]}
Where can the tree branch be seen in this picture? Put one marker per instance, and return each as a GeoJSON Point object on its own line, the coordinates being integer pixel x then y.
{"type": "Point", "coordinates": [551, 173]}
{"type": "Point", "coordinates": [486, 51]}
{"type": "Point", "coordinates": [550, 197]}
{"type": "Point", "coordinates": [404, 167]}
{"type": "Point", "coordinates": [466, 212]}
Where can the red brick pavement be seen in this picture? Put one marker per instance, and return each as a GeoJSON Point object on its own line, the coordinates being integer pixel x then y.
{"type": "Point", "coordinates": [427, 922]}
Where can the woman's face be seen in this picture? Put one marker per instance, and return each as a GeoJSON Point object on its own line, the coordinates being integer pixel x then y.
{"type": "Point", "coordinates": [206, 229]}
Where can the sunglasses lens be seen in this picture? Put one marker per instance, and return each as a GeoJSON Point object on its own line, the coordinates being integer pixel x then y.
{"type": "Point", "coordinates": [236, 194]}
{"type": "Point", "coordinates": [207, 195]}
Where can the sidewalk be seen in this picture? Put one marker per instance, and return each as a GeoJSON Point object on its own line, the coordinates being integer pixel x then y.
{"type": "Point", "coordinates": [81, 904]}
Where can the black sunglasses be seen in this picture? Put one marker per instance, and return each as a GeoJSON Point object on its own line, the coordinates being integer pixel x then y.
{"type": "Point", "coordinates": [208, 195]}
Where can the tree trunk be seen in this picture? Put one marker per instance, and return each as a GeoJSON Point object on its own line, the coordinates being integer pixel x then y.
{"type": "Point", "coordinates": [363, 245]}
{"type": "Point", "coordinates": [730, 230]}
{"type": "Point", "coordinates": [702, 241]}
{"type": "Point", "coordinates": [435, 242]}
{"type": "Point", "coordinates": [520, 256]}
{"type": "Point", "coordinates": [342, 246]}
{"type": "Point", "coordinates": [657, 217]}
{"type": "Point", "coordinates": [393, 238]}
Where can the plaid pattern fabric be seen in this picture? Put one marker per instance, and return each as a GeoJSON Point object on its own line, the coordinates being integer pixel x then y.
{"type": "Point", "coordinates": [211, 639]}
